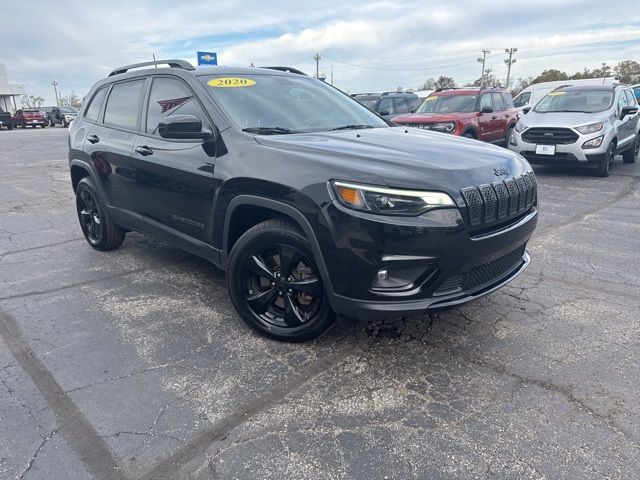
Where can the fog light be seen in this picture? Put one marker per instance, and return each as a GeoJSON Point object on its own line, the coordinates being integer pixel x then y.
{"type": "Point", "coordinates": [383, 274]}
{"type": "Point", "coordinates": [593, 143]}
{"type": "Point", "coordinates": [513, 141]}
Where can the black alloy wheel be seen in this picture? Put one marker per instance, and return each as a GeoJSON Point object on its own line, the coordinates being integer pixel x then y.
{"type": "Point", "coordinates": [89, 219]}
{"type": "Point", "coordinates": [631, 155]}
{"type": "Point", "coordinates": [604, 169]}
{"type": "Point", "coordinates": [275, 284]}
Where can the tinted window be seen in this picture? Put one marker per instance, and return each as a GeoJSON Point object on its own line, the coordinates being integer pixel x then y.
{"type": "Point", "coordinates": [386, 107]}
{"type": "Point", "coordinates": [414, 103]}
{"type": "Point", "coordinates": [401, 105]}
{"type": "Point", "coordinates": [485, 101]}
{"type": "Point", "coordinates": [123, 103]}
{"type": "Point", "coordinates": [171, 97]}
{"type": "Point", "coordinates": [522, 99]}
{"type": "Point", "coordinates": [94, 107]}
{"type": "Point", "coordinates": [498, 102]}
{"type": "Point", "coordinates": [508, 100]}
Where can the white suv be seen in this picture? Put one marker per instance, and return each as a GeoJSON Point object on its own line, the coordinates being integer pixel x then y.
{"type": "Point", "coordinates": [580, 125]}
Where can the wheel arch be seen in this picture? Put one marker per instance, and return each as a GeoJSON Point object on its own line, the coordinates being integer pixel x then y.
{"type": "Point", "coordinates": [261, 209]}
{"type": "Point", "coordinates": [472, 130]}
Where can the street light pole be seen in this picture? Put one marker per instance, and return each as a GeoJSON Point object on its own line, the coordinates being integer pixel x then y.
{"type": "Point", "coordinates": [510, 62]}
{"type": "Point", "coordinates": [317, 58]}
{"type": "Point", "coordinates": [483, 61]}
{"type": "Point", "coordinates": [55, 89]}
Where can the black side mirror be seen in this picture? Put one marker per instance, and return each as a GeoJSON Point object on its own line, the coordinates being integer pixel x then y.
{"type": "Point", "coordinates": [628, 111]}
{"type": "Point", "coordinates": [382, 113]}
{"type": "Point", "coordinates": [183, 127]}
{"type": "Point", "coordinates": [526, 110]}
{"type": "Point", "coordinates": [486, 109]}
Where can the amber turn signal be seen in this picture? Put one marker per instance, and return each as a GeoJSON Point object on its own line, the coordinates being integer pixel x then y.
{"type": "Point", "coordinates": [349, 195]}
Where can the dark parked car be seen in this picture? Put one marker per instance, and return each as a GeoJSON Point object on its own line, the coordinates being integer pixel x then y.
{"type": "Point", "coordinates": [29, 117]}
{"type": "Point", "coordinates": [311, 203]}
{"type": "Point", "coordinates": [60, 115]}
{"type": "Point", "coordinates": [6, 120]}
{"type": "Point", "coordinates": [389, 104]}
{"type": "Point", "coordinates": [486, 114]}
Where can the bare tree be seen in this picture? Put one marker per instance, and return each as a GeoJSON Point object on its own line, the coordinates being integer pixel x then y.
{"type": "Point", "coordinates": [31, 101]}
{"type": "Point", "coordinates": [70, 100]}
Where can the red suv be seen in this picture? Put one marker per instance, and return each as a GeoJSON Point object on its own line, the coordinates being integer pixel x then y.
{"type": "Point", "coordinates": [483, 113]}
{"type": "Point", "coordinates": [29, 117]}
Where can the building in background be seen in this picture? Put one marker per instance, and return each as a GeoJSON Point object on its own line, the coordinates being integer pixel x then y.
{"type": "Point", "coordinates": [9, 92]}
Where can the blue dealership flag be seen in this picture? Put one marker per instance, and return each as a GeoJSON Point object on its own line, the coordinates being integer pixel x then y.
{"type": "Point", "coordinates": [207, 58]}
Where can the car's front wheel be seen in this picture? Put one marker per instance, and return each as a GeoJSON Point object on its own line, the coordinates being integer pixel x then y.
{"type": "Point", "coordinates": [631, 155]}
{"type": "Point", "coordinates": [95, 221]}
{"type": "Point", "coordinates": [275, 284]}
{"type": "Point", "coordinates": [604, 168]}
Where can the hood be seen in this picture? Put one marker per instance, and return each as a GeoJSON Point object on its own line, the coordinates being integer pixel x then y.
{"type": "Point", "coordinates": [401, 157]}
{"type": "Point", "coordinates": [563, 119]}
{"type": "Point", "coordinates": [429, 117]}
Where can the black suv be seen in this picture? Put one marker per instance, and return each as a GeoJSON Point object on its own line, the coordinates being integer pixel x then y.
{"type": "Point", "coordinates": [389, 104]}
{"type": "Point", "coordinates": [310, 202]}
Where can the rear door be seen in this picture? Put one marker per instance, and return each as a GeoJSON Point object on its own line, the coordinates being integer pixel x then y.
{"type": "Point", "coordinates": [176, 176]}
{"type": "Point", "coordinates": [500, 112]}
{"type": "Point", "coordinates": [109, 143]}
{"type": "Point", "coordinates": [489, 130]}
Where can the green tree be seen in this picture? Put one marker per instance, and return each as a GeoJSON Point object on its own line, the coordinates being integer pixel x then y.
{"type": "Point", "coordinates": [429, 84]}
{"type": "Point", "coordinates": [550, 75]}
{"type": "Point", "coordinates": [444, 82]}
{"type": "Point", "coordinates": [628, 71]}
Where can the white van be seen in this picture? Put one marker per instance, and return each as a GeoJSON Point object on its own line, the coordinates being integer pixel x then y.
{"type": "Point", "coordinates": [534, 93]}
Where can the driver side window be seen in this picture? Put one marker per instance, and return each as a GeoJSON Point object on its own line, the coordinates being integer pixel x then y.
{"type": "Point", "coordinates": [485, 101]}
{"type": "Point", "coordinates": [385, 107]}
{"type": "Point", "coordinates": [171, 97]}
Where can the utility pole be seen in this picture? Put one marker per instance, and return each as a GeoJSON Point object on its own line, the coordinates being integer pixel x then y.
{"type": "Point", "coordinates": [510, 62]}
{"type": "Point", "coordinates": [483, 61]}
{"type": "Point", "coordinates": [317, 58]}
{"type": "Point", "coordinates": [55, 89]}
{"type": "Point", "coordinates": [331, 74]}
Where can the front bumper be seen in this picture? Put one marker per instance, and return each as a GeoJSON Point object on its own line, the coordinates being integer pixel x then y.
{"type": "Point", "coordinates": [447, 265]}
{"type": "Point", "coordinates": [565, 155]}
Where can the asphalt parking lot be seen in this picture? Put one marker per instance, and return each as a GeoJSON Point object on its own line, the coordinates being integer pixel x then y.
{"type": "Point", "coordinates": [133, 364]}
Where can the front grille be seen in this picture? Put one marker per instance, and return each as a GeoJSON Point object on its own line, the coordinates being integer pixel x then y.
{"type": "Point", "coordinates": [550, 136]}
{"type": "Point", "coordinates": [557, 158]}
{"type": "Point", "coordinates": [483, 275]}
{"type": "Point", "coordinates": [488, 203]}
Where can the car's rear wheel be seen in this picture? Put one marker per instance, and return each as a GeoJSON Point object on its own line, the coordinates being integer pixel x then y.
{"type": "Point", "coordinates": [275, 285]}
{"type": "Point", "coordinates": [604, 168]}
{"type": "Point", "coordinates": [95, 221]}
{"type": "Point", "coordinates": [631, 155]}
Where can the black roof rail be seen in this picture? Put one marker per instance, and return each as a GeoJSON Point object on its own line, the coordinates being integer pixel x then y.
{"type": "Point", "coordinates": [287, 69]}
{"type": "Point", "coordinates": [183, 64]}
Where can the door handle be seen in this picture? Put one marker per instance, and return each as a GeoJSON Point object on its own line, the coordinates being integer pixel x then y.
{"type": "Point", "coordinates": [93, 138]}
{"type": "Point", "coordinates": [143, 150]}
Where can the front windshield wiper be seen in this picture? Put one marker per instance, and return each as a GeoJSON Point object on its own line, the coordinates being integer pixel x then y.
{"type": "Point", "coordinates": [352, 127]}
{"type": "Point", "coordinates": [268, 130]}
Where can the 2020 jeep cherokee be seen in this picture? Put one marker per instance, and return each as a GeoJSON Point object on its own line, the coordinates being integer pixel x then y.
{"type": "Point", "coordinates": [312, 204]}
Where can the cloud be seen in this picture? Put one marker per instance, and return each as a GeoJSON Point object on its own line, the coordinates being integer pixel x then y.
{"type": "Point", "coordinates": [378, 45]}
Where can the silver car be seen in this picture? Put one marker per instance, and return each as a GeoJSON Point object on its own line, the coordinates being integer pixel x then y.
{"type": "Point", "coordinates": [580, 125]}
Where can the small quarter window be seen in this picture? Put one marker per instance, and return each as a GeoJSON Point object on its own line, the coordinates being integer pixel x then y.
{"type": "Point", "coordinates": [93, 110]}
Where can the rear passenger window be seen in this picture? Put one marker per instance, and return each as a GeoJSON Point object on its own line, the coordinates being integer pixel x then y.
{"type": "Point", "coordinates": [498, 102]}
{"type": "Point", "coordinates": [93, 110]}
{"type": "Point", "coordinates": [123, 104]}
{"type": "Point", "coordinates": [170, 97]}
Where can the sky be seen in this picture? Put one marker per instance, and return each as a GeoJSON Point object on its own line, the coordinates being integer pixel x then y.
{"type": "Point", "coordinates": [369, 46]}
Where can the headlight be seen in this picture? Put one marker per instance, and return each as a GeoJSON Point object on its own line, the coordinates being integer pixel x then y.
{"type": "Point", "coordinates": [591, 128]}
{"type": "Point", "coordinates": [444, 126]}
{"type": "Point", "coordinates": [593, 143]}
{"type": "Point", "coordinates": [520, 127]}
{"type": "Point", "coordinates": [389, 201]}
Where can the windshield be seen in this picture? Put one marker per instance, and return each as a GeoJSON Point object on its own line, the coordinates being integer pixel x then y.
{"type": "Point", "coordinates": [291, 104]}
{"type": "Point", "coordinates": [68, 110]}
{"type": "Point", "coordinates": [584, 101]}
{"type": "Point", "coordinates": [448, 104]}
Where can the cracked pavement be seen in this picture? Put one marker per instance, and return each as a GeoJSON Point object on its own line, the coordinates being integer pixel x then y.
{"type": "Point", "coordinates": [133, 364]}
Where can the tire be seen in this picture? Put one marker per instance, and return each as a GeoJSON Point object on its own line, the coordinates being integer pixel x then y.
{"type": "Point", "coordinates": [10, 127]}
{"type": "Point", "coordinates": [98, 228]}
{"type": "Point", "coordinates": [275, 259]}
{"type": "Point", "coordinates": [51, 124]}
{"type": "Point", "coordinates": [44, 125]}
{"type": "Point", "coordinates": [65, 124]}
{"type": "Point", "coordinates": [604, 168]}
{"type": "Point", "coordinates": [505, 144]}
{"type": "Point", "coordinates": [468, 135]}
{"type": "Point", "coordinates": [630, 155]}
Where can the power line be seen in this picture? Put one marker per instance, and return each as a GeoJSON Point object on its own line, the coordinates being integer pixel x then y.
{"type": "Point", "coordinates": [388, 67]}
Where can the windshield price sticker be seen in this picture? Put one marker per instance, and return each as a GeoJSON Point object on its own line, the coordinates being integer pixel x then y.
{"type": "Point", "coordinates": [430, 99]}
{"type": "Point", "coordinates": [555, 94]}
{"type": "Point", "coordinates": [230, 82]}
